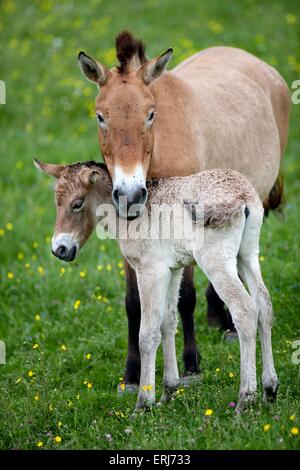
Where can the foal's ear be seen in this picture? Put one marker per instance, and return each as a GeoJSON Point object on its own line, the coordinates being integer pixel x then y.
{"type": "Point", "coordinates": [94, 71]}
{"type": "Point", "coordinates": [153, 68]}
{"type": "Point", "coordinates": [89, 177]}
{"type": "Point", "coordinates": [52, 169]}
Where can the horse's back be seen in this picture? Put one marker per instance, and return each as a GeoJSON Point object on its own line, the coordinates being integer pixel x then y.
{"type": "Point", "coordinates": [206, 64]}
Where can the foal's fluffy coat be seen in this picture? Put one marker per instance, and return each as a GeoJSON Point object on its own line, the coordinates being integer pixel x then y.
{"type": "Point", "coordinates": [229, 221]}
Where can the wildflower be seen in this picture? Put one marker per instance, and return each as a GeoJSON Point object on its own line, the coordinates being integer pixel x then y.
{"type": "Point", "coordinates": [218, 369]}
{"type": "Point", "coordinates": [231, 404]}
{"type": "Point", "coordinates": [30, 373]}
{"type": "Point", "coordinates": [267, 427]}
{"type": "Point", "coordinates": [82, 273]}
{"type": "Point", "coordinates": [20, 256]}
{"type": "Point", "coordinates": [122, 386]}
{"type": "Point", "coordinates": [59, 424]}
{"type": "Point", "coordinates": [208, 412]}
{"type": "Point", "coordinates": [292, 418]}
{"type": "Point", "coordinates": [120, 264]}
{"type": "Point", "coordinates": [108, 437]}
{"type": "Point", "coordinates": [89, 385]}
{"type": "Point", "coordinates": [108, 267]}
{"type": "Point", "coordinates": [47, 239]}
{"type": "Point", "coordinates": [85, 382]}
{"type": "Point", "coordinates": [41, 270]}
{"type": "Point", "coordinates": [261, 259]}
{"type": "Point", "coordinates": [35, 346]}
{"type": "Point", "coordinates": [77, 304]}
{"type": "Point", "coordinates": [147, 387]}
{"type": "Point", "coordinates": [35, 244]}
{"type": "Point", "coordinates": [77, 397]}
{"type": "Point", "coordinates": [27, 265]}
{"type": "Point", "coordinates": [122, 272]}
{"type": "Point", "coordinates": [102, 248]}
{"type": "Point", "coordinates": [57, 439]}
{"type": "Point", "coordinates": [1, 232]}
{"type": "Point", "coordinates": [63, 347]}
{"type": "Point", "coordinates": [37, 397]}
{"type": "Point", "coordinates": [37, 317]}
{"type": "Point", "coordinates": [88, 356]}
{"type": "Point", "coordinates": [99, 267]}
{"type": "Point", "coordinates": [180, 391]}
{"type": "Point", "coordinates": [9, 226]}
{"type": "Point", "coordinates": [10, 275]}
{"type": "Point", "coordinates": [128, 431]}
{"type": "Point", "coordinates": [295, 431]}
{"type": "Point", "coordinates": [231, 375]}
{"type": "Point", "coordinates": [62, 271]}
{"type": "Point", "coordinates": [39, 444]}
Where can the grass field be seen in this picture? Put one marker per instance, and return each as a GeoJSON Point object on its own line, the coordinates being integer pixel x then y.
{"type": "Point", "coordinates": [65, 326]}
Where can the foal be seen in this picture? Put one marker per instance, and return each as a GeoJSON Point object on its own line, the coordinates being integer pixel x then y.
{"type": "Point", "coordinates": [226, 216]}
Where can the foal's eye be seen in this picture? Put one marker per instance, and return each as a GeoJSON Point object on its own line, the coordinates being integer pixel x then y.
{"type": "Point", "coordinates": [77, 205]}
{"type": "Point", "coordinates": [101, 120]}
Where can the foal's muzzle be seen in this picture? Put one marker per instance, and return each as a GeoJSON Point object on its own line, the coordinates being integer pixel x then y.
{"type": "Point", "coordinates": [64, 253]}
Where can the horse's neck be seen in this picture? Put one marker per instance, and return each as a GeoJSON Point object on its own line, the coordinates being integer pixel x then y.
{"type": "Point", "coordinates": [178, 142]}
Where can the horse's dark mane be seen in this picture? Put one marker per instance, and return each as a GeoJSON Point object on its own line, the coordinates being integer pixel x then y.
{"type": "Point", "coordinates": [128, 46]}
{"type": "Point", "coordinates": [89, 164]}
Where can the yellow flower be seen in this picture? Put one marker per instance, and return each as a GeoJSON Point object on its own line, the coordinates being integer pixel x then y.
{"type": "Point", "coordinates": [218, 369]}
{"type": "Point", "coordinates": [62, 271]}
{"type": "Point", "coordinates": [1, 232]}
{"type": "Point", "coordinates": [59, 424]}
{"type": "Point", "coordinates": [295, 431]}
{"type": "Point", "coordinates": [261, 259]}
{"type": "Point", "coordinates": [208, 412]}
{"type": "Point", "coordinates": [85, 382]}
{"type": "Point", "coordinates": [57, 439]}
{"type": "Point", "coordinates": [108, 267]}
{"type": "Point", "coordinates": [88, 356]}
{"type": "Point", "coordinates": [41, 270]}
{"type": "Point", "coordinates": [231, 375]}
{"type": "Point", "coordinates": [122, 272]}
{"type": "Point", "coordinates": [122, 386]}
{"type": "Point", "coordinates": [27, 265]}
{"type": "Point", "coordinates": [10, 275]}
{"type": "Point", "coordinates": [102, 248]}
{"type": "Point", "coordinates": [180, 391]}
{"type": "Point", "coordinates": [9, 226]}
{"type": "Point", "coordinates": [89, 385]}
{"type": "Point", "coordinates": [63, 347]}
{"type": "Point", "coordinates": [77, 397]}
{"type": "Point", "coordinates": [290, 18]}
{"type": "Point", "coordinates": [292, 418]}
{"type": "Point", "coordinates": [267, 427]}
{"type": "Point", "coordinates": [35, 244]}
{"type": "Point", "coordinates": [99, 267]}
{"type": "Point", "coordinates": [37, 317]}
{"type": "Point", "coordinates": [147, 387]}
{"type": "Point", "coordinates": [39, 444]}
{"type": "Point", "coordinates": [37, 397]}
{"type": "Point", "coordinates": [120, 264]}
{"type": "Point", "coordinates": [20, 256]}
{"type": "Point", "coordinates": [77, 304]}
{"type": "Point", "coordinates": [35, 346]}
{"type": "Point", "coordinates": [82, 273]}
{"type": "Point", "coordinates": [30, 373]}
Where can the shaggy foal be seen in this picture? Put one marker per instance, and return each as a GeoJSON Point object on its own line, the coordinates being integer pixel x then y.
{"type": "Point", "coordinates": [226, 216]}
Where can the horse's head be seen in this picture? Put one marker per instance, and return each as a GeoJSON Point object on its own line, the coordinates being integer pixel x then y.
{"type": "Point", "coordinates": [125, 110]}
{"type": "Point", "coordinates": [80, 187]}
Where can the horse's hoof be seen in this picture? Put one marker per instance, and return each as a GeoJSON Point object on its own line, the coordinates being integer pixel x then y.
{"type": "Point", "coordinates": [189, 379]}
{"type": "Point", "coordinates": [127, 388]}
{"type": "Point", "coordinates": [270, 393]}
{"type": "Point", "coordinates": [231, 335]}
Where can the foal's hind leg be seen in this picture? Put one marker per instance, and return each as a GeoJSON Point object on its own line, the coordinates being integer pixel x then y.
{"type": "Point", "coordinates": [244, 314]}
{"type": "Point", "coordinates": [249, 270]}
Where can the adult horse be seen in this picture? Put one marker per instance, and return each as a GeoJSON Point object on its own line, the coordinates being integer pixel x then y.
{"type": "Point", "coordinates": [222, 107]}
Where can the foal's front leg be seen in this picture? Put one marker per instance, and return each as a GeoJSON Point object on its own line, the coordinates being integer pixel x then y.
{"type": "Point", "coordinates": [153, 287]}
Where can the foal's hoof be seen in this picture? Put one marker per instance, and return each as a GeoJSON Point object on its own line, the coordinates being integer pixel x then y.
{"type": "Point", "coordinates": [231, 335]}
{"type": "Point", "coordinates": [190, 379]}
{"type": "Point", "coordinates": [127, 388]}
{"type": "Point", "coordinates": [270, 392]}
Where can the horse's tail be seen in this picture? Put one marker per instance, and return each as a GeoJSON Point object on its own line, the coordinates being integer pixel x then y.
{"type": "Point", "coordinates": [275, 200]}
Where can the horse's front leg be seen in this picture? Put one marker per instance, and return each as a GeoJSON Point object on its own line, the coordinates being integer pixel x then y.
{"type": "Point", "coordinates": [153, 285]}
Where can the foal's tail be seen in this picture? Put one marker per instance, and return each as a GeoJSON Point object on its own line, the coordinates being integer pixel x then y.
{"type": "Point", "coordinates": [275, 199]}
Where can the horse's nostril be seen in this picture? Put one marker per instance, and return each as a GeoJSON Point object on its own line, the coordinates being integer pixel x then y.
{"type": "Point", "coordinates": [144, 193]}
{"type": "Point", "coordinates": [116, 195]}
{"type": "Point", "coordinates": [61, 251]}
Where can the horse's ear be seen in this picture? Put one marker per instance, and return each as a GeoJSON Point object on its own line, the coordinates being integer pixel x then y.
{"type": "Point", "coordinates": [153, 68]}
{"type": "Point", "coordinates": [52, 169]}
{"type": "Point", "coordinates": [94, 71]}
{"type": "Point", "coordinates": [89, 177]}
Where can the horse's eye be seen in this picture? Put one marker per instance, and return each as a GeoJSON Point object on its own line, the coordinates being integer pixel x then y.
{"type": "Point", "coordinates": [150, 118]}
{"type": "Point", "coordinates": [77, 205]}
{"type": "Point", "coordinates": [101, 120]}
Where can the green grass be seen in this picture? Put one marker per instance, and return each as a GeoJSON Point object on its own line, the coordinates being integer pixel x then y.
{"type": "Point", "coordinates": [48, 114]}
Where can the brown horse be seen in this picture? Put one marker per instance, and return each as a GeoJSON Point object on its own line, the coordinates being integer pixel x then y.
{"type": "Point", "coordinates": [221, 108]}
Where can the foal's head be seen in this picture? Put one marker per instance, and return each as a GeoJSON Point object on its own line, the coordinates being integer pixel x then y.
{"type": "Point", "coordinates": [125, 110]}
{"type": "Point", "coordinates": [79, 188]}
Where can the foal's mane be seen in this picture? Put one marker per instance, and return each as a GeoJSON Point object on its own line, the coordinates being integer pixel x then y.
{"type": "Point", "coordinates": [128, 47]}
